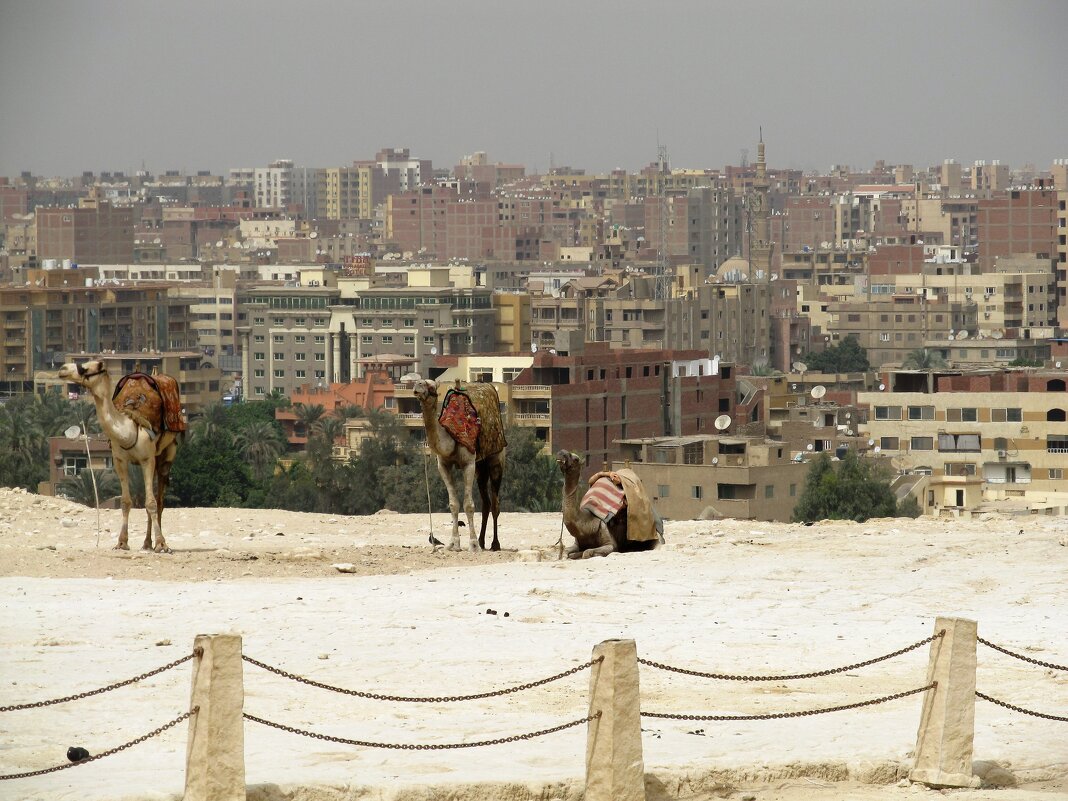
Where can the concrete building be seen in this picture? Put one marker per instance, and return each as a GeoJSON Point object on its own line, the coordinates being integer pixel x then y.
{"type": "Point", "coordinates": [1004, 428]}
{"type": "Point", "coordinates": [281, 185]}
{"type": "Point", "coordinates": [707, 477]}
{"type": "Point", "coordinates": [1015, 223]}
{"type": "Point", "coordinates": [95, 231]}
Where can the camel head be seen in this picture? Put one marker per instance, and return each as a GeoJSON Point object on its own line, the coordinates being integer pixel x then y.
{"type": "Point", "coordinates": [81, 373]}
{"type": "Point", "coordinates": [568, 462]}
{"type": "Point", "coordinates": [424, 389]}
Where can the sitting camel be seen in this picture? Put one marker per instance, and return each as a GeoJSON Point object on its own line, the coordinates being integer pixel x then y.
{"type": "Point", "coordinates": [142, 419]}
{"type": "Point", "coordinates": [634, 527]}
{"type": "Point", "coordinates": [479, 453]}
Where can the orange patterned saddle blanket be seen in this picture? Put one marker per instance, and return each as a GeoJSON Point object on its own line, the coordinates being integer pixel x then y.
{"type": "Point", "coordinates": [460, 418]}
{"type": "Point", "coordinates": [151, 401]}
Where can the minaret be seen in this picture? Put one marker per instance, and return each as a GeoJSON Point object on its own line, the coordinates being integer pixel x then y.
{"type": "Point", "coordinates": [760, 251]}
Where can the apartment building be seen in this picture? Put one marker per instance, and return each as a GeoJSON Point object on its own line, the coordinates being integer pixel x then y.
{"type": "Point", "coordinates": [1004, 428]}
{"type": "Point", "coordinates": [43, 324]}
{"type": "Point", "coordinates": [95, 231]}
{"type": "Point", "coordinates": [706, 477]}
{"type": "Point", "coordinates": [281, 185]}
{"type": "Point", "coordinates": [1017, 222]}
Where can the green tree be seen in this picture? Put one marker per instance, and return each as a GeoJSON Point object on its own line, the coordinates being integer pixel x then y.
{"type": "Point", "coordinates": [208, 472]}
{"type": "Point", "coordinates": [79, 488]}
{"type": "Point", "coordinates": [532, 481]}
{"type": "Point", "coordinates": [846, 357]}
{"type": "Point", "coordinates": [909, 507]}
{"type": "Point", "coordinates": [260, 443]}
{"type": "Point", "coordinates": [308, 416]}
{"type": "Point", "coordinates": [923, 359]}
{"type": "Point", "coordinates": [212, 424]}
{"type": "Point", "coordinates": [329, 428]}
{"type": "Point", "coordinates": [850, 489]}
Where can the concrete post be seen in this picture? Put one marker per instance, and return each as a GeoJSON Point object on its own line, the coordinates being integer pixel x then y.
{"type": "Point", "coordinates": [947, 723]}
{"type": "Point", "coordinates": [615, 770]}
{"type": "Point", "coordinates": [215, 753]}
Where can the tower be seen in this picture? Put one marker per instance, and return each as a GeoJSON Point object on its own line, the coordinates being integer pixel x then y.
{"type": "Point", "coordinates": [760, 225]}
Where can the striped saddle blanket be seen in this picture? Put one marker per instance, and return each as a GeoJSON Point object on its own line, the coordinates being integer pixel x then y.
{"type": "Point", "coordinates": [604, 499]}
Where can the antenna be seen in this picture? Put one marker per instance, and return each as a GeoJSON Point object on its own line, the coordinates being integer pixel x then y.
{"type": "Point", "coordinates": [818, 391]}
{"type": "Point", "coordinates": [723, 422]}
{"type": "Point", "coordinates": [73, 432]}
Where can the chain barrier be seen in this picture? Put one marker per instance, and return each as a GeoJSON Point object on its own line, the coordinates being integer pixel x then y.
{"type": "Point", "coordinates": [88, 693]}
{"type": "Point", "coordinates": [778, 715]}
{"type": "Point", "coordinates": [107, 753]}
{"type": "Point", "coordinates": [989, 644]}
{"type": "Point", "coordinates": [417, 699]}
{"type": "Point", "coordinates": [831, 671]}
{"type": "Point", "coordinates": [422, 746]}
{"type": "Point", "coordinates": [1020, 708]}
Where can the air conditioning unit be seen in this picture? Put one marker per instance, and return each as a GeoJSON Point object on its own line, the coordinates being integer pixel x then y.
{"type": "Point", "coordinates": [1002, 454]}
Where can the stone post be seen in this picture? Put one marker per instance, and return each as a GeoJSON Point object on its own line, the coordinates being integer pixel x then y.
{"type": "Point", "coordinates": [215, 753]}
{"type": "Point", "coordinates": [947, 723]}
{"type": "Point", "coordinates": [615, 770]}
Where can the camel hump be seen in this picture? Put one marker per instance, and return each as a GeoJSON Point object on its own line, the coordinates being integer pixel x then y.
{"type": "Point", "coordinates": [150, 401]}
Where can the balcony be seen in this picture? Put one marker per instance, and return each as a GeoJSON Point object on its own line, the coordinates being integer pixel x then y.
{"type": "Point", "coordinates": [530, 389]}
{"type": "Point", "coordinates": [531, 417]}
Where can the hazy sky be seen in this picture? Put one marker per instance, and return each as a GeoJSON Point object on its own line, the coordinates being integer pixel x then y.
{"type": "Point", "coordinates": [213, 84]}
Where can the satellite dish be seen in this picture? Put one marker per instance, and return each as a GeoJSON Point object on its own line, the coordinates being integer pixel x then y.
{"type": "Point", "coordinates": [848, 415]}
{"type": "Point", "coordinates": [850, 432]}
{"type": "Point", "coordinates": [73, 432]}
{"type": "Point", "coordinates": [723, 422]}
{"type": "Point", "coordinates": [808, 447]}
{"type": "Point", "coordinates": [533, 347]}
{"type": "Point", "coordinates": [434, 351]}
{"type": "Point", "coordinates": [882, 387]}
{"type": "Point", "coordinates": [800, 367]}
{"type": "Point", "coordinates": [313, 234]}
{"type": "Point", "coordinates": [997, 333]}
{"type": "Point", "coordinates": [950, 337]}
{"type": "Point", "coordinates": [877, 448]}
{"type": "Point", "coordinates": [219, 244]}
{"type": "Point", "coordinates": [962, 335]}
{"type": "Point", "coordinates": [818, 391]}
{"type": "Point", "coordinates": [1057, 365]}
{"type": "Point", "coordinates": [715, 460]}
{"type": "Point", "coordinates": [799, 457]}
{"type": "Point", "coordinates": [871, 442]}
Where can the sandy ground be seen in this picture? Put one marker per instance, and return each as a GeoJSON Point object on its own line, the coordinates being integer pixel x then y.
{"type": "Point", "coordinates": [726, 596]}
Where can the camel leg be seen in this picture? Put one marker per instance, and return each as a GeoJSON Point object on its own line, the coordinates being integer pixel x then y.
{"type": "Point", "coordinates": [122, 469]}
{"type": "Point", "coordinates": [163, 477]}
{"type": "Point", "coordinates": [606, 547]}
{"type": "Point", "coordinates": [454, 505]}
{"type": "Point", "coordinates": [489, 489]}
{"type": "Point", "coordinates": [155, 533]}
{"type": "Point", "coordinates": [469, 503]}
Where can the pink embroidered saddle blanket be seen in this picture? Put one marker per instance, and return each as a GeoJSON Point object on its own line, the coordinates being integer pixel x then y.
{"type": "Point", "coordinates": [604, 499]}
{"type": "Point", "coordinates": [459, 417]}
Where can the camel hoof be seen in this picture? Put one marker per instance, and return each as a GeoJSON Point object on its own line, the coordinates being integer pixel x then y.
{"type": "Point", "coordinates": [163, 549]}
{"type": "Point", "coordinates": [475, 547]}
{"type": "Point", "coordinates": [122, 546]}
{"type": "Point", "coordinates": [588, 554]}
{"type": "Point", "coordinates": [455, 546]}
{"type": "Point", "coordinates": [575, 555]}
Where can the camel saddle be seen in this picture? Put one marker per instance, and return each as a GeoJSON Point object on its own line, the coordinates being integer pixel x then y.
{"type": "Point", "coordinates": [151, 401]}
{"type": "Point", "coordinates": [641, 523]}
{"type": "Point", "coordinates": [471, 414]}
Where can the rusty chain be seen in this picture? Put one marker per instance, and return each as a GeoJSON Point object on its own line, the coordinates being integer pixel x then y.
{"type": "Point", "coordinates": [989, 644]}
{"type": "Point", "coordinates": [417, 699]}
{"type": "Point", "coordinates": [1020, 708]}
{"type": "Point", "coordinates": [777, 715]}
{"type": "Point", "coordinates": [423, 746]}
{"type": "Point", "coordinates": [88, 693]}
{"type": "Point", "coordinates": [107, 753]}
{"type": "Point", "coordinates": [814, 674]}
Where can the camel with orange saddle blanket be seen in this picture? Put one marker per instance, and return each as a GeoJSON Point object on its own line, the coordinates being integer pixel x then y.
{"type": "Point", "coordinates": [142, 418]}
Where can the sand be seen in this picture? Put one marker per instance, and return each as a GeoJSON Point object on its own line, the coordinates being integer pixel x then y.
{"type": "Point", "coordinates": [723, 596]}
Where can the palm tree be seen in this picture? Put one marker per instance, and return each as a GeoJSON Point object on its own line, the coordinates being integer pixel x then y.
{"type": "Point", "coordinates": [329, 428]}
{"type": "Point", "coordinates": [79, 488]}
{"type": "Point", "coordinates": [349, 410]}
{"type": "Point", "coordinates": [260, 444]}
{"type": "Point", "coordinates": [923, 359]}
{"type": "Point", "coordinates": [211, 425]}
{"type": "Point", "coordinates": [308, 416]}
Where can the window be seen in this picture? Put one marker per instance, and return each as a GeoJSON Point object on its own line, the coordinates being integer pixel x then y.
{"type": "Point", "coordinates": [387, 340]}
{"type": "Point", "coordinates": [279, 373]}
{"type": "Point", "coordinates": [320, 357]}
{"type": "Point", "coordinates": [793, 490]}
{"type": "Point", "coordinates": [367, 322]}
{"type": "Point", "coordinates": [696, 492]}
{"type": "Point", "coordinates": [921, 444]}
{"type": "Point", "coordinates": [257, 321]}
{"type": "Point", "coordinates": [1056, 472]}
{"type": "Point", "coordinates": [888, 443]}
{"type": "Point", "coordinates": [960, 469]}
{"type": "Point", "coordinates": [278, 356]}
{"type": "Point", "coordinates": [428, 321]}
{"type": "Point", "coordinates": [409, 322]}
{"type": "Point", "coordinates": [409, 340]}
{"type": "Point", "coordinates": [73, 465]}
{"type": "Point", "coordinates": [921, 412]}
{"type": "Point", "coordinates": [969, 415]}
{"type": "Point", "coordinates": [769, 491]}
{"type": "Point", "coordinates": [302, 373]}
{"type": "Point", "coordinates": [258, 338]}
{"type": "Point", "coordinates": [259, 356]}
{"type": "Point", "coordinates": [260, 373]}
{"type": "Point", "coordinates": [663, 491]}
{"type": "Point", "coordinates": [428, 340]}
{"type": "Point", "coordinates": [299, 339]}
{"type": "Point", "coordinates": [366, 339]}
{"type": "Point", "coordinates": [959, 443]}
{"type": "Point", "coordinates": [298, 357]}
{"type": "Point", "coordinates": [320, 339]}
{"type": "Point", "coordinates": [887, 412]}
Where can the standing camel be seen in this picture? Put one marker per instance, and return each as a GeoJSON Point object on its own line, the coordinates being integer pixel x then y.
{"type": "Point", "coordinates": [466, 434]}
{"type": "Point", "coordinates": [635, 527]}
{"type": "Point", "coordinates": [142, 424]}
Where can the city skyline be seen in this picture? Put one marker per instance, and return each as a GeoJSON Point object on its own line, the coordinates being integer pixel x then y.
{"type": "Point", "coordinates": [117, 85]}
